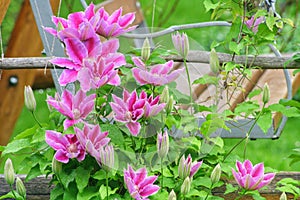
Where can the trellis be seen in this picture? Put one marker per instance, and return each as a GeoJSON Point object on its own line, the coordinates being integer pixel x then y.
{"type": "Point", "coordinates": [43, 12]}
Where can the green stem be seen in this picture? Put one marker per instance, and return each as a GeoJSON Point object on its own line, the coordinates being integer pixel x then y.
{"type": "Point", "coordinates": [210, 188]}
{"type": "Point", "coordinates": [189, 82]}
{"type": "Point", "coordinates": [162, 172]}
{"type": "Point", "coordinates": [106, 176]}
{"type": "Point", "coordinates": [12, 190]}
{"type": "Point", "coordinates": [246, 137]}
{"type": "Point", "coordinates": [35, 118]}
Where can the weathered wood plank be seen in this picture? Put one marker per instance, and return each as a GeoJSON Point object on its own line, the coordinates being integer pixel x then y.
{"type": "Point", "coordinates": [39, 187]}
{"type": "Point", "coordinates": [24, 42]}
{"type": "Point", "coordinates": [262, 62]}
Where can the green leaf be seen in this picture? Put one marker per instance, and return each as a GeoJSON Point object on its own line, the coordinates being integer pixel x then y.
{"type": "Point", "coordinates": [33, 173]}
{"type": "Point", "coordinates": [67, 178]}
{"type": "Point", "coordinates": [254, 93]}
{"type": "Point", "coordinates": [28, 132]}
{"type": "Point", "coordinates": [265, 121]}
{"type": "Point", "coordinates": [292, 103]}
{"type": "Point", "coordinates": [246, 107]}
{"type": "Point", "coordinates": [99, 175]}
{"type": "Point", "coordinates": [103, 191]}
{"type": "Point", "coordinates": [207, 79]}
{"type": "Point", "coordinates": [115, 134]}
{"type": "Point", "coordinates": [229, 66]}
{"type": "Point", "coordinates": [88, 193]}
{"type": "Point", "coordinates": [82, 178]}
{"type": "Point", "coordinates": [16, 145]}
{"type": "Point", "coordinates": [209, 5]}
{"type": "Point", "coordinates": [230, 188]}
{"type": "Point", "coordinates": [8, 196]}
{"type": "Point", "coordinates": [289, 112]}
{"type": "Point", "coordinates": [270, 22]}
{"type": "Point", "coordinates": [56, 192]}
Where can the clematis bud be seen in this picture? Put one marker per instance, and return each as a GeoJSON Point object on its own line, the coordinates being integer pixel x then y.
{"type": "Point", "coordinates": [146, 50]}
{"type": "Point", "coordinates": [283, 196]}
{"type": "Point", "coordinates": [266, 94]}
{"type": "Point", "coordinates": [214, 61]}
{"type": "Point", "coordinates": [181, 43]}
{"type": "Point", "coordinates": [216, 174]}
{"type": "Point", "coordinates": [164, 97]}
{"type": "Point", "coordinates": [20, 187]}
{"type": "Point", "coordinates": [187, 167]}
{"type": "Point", "coordinates": [30, 102]}
{"type": "Point", "coordinates": [56, 166]}
{"type": "Point", "coordinates": [107, 157]}
{"type": "Point", "coordinates": [186, 186]}
{"type": "Point", "coordinates": [172, 195]}
{"type": "Point", "coordinates": [9, 173]}
{"type": "Point", "coordinates": [170, 104]}
{"type": "Point", "coordinates": [162, 144]}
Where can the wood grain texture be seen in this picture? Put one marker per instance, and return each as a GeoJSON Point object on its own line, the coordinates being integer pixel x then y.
{"type": "Point", "coordinates": [261, 62]}
{"type": "Point", "coordinates": [24, 42]}
{"type": "Point", "coordinates": [39, 188]}
{"type": "Point", "coordinates": [3, 8]}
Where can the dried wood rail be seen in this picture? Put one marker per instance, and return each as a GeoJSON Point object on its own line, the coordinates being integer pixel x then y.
{"type": "Point", "coordinates": [40, 188]}
{"type": "Point", "coordinates": [262, 62]}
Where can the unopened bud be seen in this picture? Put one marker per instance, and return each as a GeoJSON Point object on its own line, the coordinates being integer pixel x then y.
{"type": "Point", "coordinates": [20, 187]}
{"type": "Point", "coordinates": [107, 157]}
{"type": "Point", "coordinates": [214, 61]}
{"type": "Point", "coordinates": [56, 166]}
{"type": "Point", "coordinates": [162, 144]}
{"type": "Point", "coordinates": [170, 104]}
{"type": "Point", "coordinates": [216, 174]}
{"type": "Point", "coordinates": [266, 94]}
{"type": "Point", "coordinates": [172, 195]}
{"type": "Point", "coordinates": [186, 186]}
{"type": "Point", "coordinates": [9, 173]}
{"type": "Point", "coordinates": [283, 196]}
{"type": "Point", "coordinates": [181, 43]}
{"type": "Point", "coordinates": [30, 102]}
{"type": "Point", "coordinates": [146, 50]}
{"type": "Point", "coordinates": [164, 97]}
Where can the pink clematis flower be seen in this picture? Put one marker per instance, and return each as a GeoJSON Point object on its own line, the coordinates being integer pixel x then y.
{"type": "Point", "coordinates": [75, 108]}
{"type": "Point", "coordinates": [66, 146]}
{"type": "Point", "coordinates": [152, 106]}
{"type": "Point", "coordinates": [254, 22]}
{"type": "Point", "coordinates": [251, 177]}
{"type": "Point", "coordinates": [129, 110]}
{"type": "Point", "coordinates": [138, 184]}
{"type": "Point", "coordinates": [72, 26]}
{"type": "Point", "coordinates": [187, 167]}
{"type": "Point", "coordinates": [115, 24]}
{"type": "Point", "coordinates": [159, 74]}
{"type": "Point", "coordinates": [103, 68]}
{"type": "Point", "coordinates": [92, 139]}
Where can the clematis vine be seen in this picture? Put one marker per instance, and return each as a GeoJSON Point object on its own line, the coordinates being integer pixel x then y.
{"type": "Point", "coordinates": [251, 177]}
{"type": "Point", "coordinates": [129, 110]}
{"type": "Point", "coordinates": [75, 107]}
{"type": "Point", "coordinates": [159, 74]}
{"type": "Point", "coordinates": [92, 139]}
{"type": "Point", "coordinates": [139, 185]}
{"type": "Point", "coordinates": [66, 146]}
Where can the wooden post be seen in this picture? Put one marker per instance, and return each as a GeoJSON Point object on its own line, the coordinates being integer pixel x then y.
{"type": "Point", "coordinates": [24, 41]}
{"type": "Point", "coordinates": [3, 8]}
